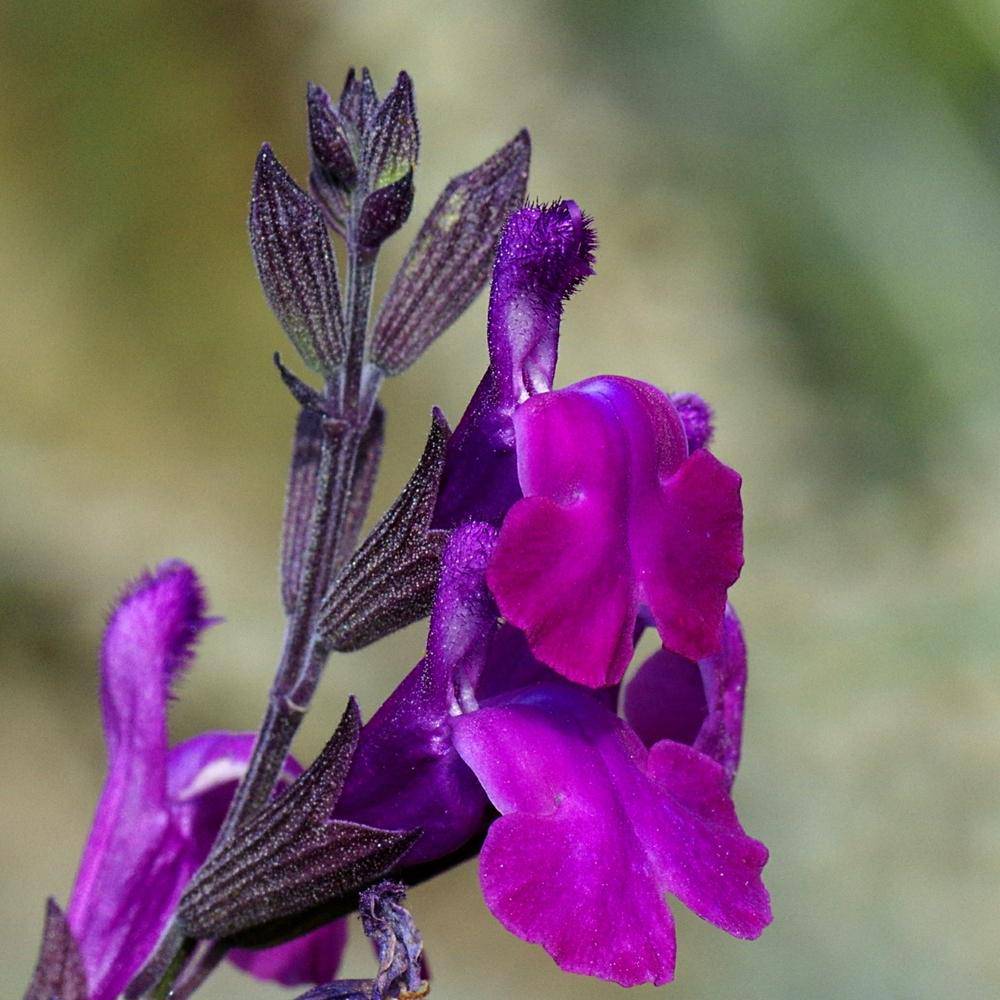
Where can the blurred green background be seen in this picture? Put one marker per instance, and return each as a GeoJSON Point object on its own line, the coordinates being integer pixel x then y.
{"type": "Point", "coordinates": [799, 211]}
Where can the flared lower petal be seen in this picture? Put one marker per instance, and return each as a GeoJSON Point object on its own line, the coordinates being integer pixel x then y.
{"type": "Point", "coordinates": [595, 830]}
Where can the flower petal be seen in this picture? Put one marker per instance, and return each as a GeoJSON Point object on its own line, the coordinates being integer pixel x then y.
{"type": "Point", "coordinates": [691, 552]}
{"type": "Point", "coordinates": [202, 775]}
{"type": "Point", "coordinates": [594, 830]}
{"type": "Point", "coordinates": [129, 876]}
{"type": "Point", "coordinates": [699, 704]}
{"type": "Point", "coordinates": [614, 514]}
{"type": "Point", "coordinates": [666, 699]}
{"type": "Point", "coordinates": [148, 641]}
{"type": "Point", "coordinates": [708, 862]}
{"type": "Point", "coordinates": [312, 958]}
{"type": "Point", "coordinates": [587, 456]}
{"type": "Point", "coordinates": [563, 576]}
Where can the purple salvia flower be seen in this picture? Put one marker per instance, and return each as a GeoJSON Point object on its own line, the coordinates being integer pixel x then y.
{"type": "Point", "coordinates": [584, 804]}
{"type": "Point", "coordinates": [604, 509]}
{"type": "Point", "coordinates": [161, 807]}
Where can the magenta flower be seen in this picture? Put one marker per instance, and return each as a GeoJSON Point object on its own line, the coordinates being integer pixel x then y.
{"type": "Point", "coordinates": [594, 829]}
{"type": "Point", "coordinates": [608, 498]}
{"type": "Point", "coordinates": [161, 806]}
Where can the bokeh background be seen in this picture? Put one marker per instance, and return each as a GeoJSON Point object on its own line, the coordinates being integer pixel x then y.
{"type": "Point", "coordinates": [799, 210]}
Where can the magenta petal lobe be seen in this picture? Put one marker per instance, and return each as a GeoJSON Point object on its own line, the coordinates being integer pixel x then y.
{"type": "Point", "coordinates": [691, 553]}
{"type": "Point", "coordinates": [594, 830]}
{"type": "Point", "coordinates": [615, 515]}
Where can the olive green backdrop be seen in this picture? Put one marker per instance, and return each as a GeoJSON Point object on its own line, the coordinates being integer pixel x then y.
{"type": "Point", "coordinates": [799, 211]}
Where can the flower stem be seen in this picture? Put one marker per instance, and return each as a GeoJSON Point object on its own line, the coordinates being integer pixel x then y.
{"type": "Point", "coordinates": [350, 400]}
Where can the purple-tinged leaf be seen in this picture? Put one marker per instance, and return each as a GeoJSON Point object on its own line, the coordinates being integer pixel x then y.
{"type": "Point", "coordinates": [390, 581]}
{"type": "Point", "coordinates": [291, 857]}
{"type": "Point", "coordinates": [59, 973]}
{"type": "Point", "coordinates": [296, 264]}
{"type": "Point", "coordinates": [384, 213]}
{"type": "Point", "coordinates": [333, 142]}
{"type": "Point", "coordinates": [358, 100]}
{"type": "Point", "coordinates": [450, 259]}
{"type": "Point", "coordinates": [394, 143]}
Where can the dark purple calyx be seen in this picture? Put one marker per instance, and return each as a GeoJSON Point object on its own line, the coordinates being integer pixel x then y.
{"type": "Point", "coordinates": [335, 149]}
{"type": "Point", "coordinates": [59, 972]}
{"type": "Point", "coordinates": [291, 857]}
{"type": "Point", "coordinates": [449, 260]}
{"type": "Point", "coordinates": [296, 264]}
{"type": "Point", "coordinates": [390, 581]}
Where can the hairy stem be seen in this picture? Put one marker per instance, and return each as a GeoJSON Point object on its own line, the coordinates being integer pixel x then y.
{"type": "Point", "coordinates": [350, 399]}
